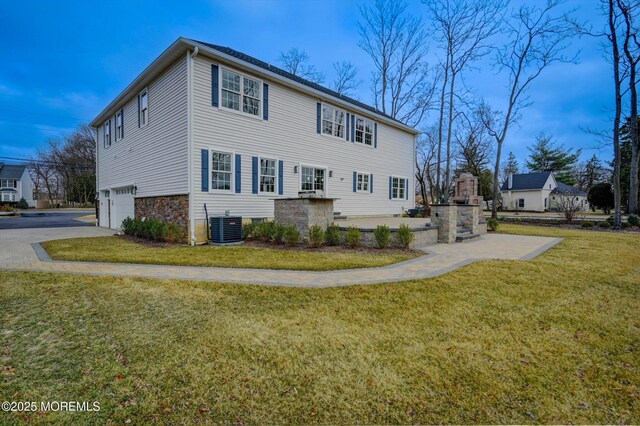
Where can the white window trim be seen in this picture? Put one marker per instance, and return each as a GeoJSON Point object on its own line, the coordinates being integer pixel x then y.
{"type": "Point", "coordinates": [405, 189]}
{"type": "Point", "coordinates": [315, 166]}
{"type": "Point", "coordinates": [373, 131]}
{"type": "Point", "coordinates": [106, 126]}
{"type": "Point", "coordinates": [7, 181]}
{"type": "Point", "coordinates": [119, 130]}
{"type": "Point", "coordinates": [362, 191]}
{"type": "Point", "coordinates": [144, 91]}
{"type": "Point", "coordinates": [275, 187]}
{"type": "Point", "coordinates": [232, 187]}
{"type": "Point", "coordinates": [239, 111]}
{"type": "Point", "coordinates": [332, 136]}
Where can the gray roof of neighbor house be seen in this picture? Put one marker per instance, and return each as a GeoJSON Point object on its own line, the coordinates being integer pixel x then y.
{"type": "Point", "coordinates": [563, 188]}
{"type": "Point", "coordinates": [11, 171]}
{"type": "Point", "coordinates": [175, 51]}
{"type": "Point", "coordinates": [524, 181]}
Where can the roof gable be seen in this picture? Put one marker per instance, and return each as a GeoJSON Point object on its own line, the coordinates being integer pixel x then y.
{"type": "Point", "coordinates": [527, 181]}
{"type": "Point", "coordinates": [12, 171]}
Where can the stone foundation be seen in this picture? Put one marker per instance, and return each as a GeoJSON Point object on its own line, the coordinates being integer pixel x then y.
{"type": "Point", "coordinates": [169, 209]}
{"type": "Point", "coordinates": [423, 236]}
{"type": "Point", "coordinates": [304, 213]}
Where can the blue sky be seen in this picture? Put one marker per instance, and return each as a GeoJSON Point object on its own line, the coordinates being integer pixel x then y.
{"type": "Point", "coordinates": [64, 61]}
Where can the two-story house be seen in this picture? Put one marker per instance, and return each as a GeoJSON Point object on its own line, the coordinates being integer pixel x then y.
{"type": "Point", "coordinates": [207, 129]}
{"type": "Point", "coordinates": [15, 183]}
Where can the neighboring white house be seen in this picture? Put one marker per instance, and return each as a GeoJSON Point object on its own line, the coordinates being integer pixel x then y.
{"type": "Point", "coordinates": [207, 125]}
{"type": "Point", "coordinates": [537, 192]}
{"type": "Point", "coordinates": [16, 183]}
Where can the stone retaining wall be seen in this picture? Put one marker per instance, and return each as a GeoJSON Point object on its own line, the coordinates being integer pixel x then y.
{"type": "Point", "coordinates": [422, 237]}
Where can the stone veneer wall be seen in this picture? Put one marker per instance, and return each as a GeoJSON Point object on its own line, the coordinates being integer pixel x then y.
{"type": "Point", "coordinates": [469, 215]}
{"type": "Point", "coordinates": [304, 213]}
{"type": "Point", "coordinates": [422, 236]}
{"type": "Point", "coordinates": [169, 209]}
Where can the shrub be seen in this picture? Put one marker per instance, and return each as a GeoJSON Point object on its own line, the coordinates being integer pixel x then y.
{"type": "Point", "coordinates": [22, 204]}
{"type": "Point", "coordinates": [172, 233]}
{"type": "Point", "coordinates": [268, 231]}
{"type": "Point", "coordinates": [492, 224]}
{"type": "Point", "coordinates": [633, 220]}
{"type": "Point", "coordinates": [128, 226]}
{"type": "Point", "coordinates": [316, 236]}
{"type": "Point", "coordinates": [382, 234]}
{"type": "Point", "coordinates": [605, 224]}
{"type": "Point", "coordinates": [625, 225]}
{"type": "Point", "coordinates": [587, 224]}
{"type": "Point", "coordinates": [152, 229]}
{"type": "Point", "coordinates": [6, 208]}
{"type": "Point", "coordinates": [278, 233]}
{"type": "Point", "coordinates": [405, 236]}
{"type": "Point", "coordinates": [353, 237]}
{"type": "Point", "coordinates": [291, 235]}
{"type": "Point", "coordinates": [248, 230]}
{"type": "Point", "coordinates": [333, 235]}
{"type": "Point", "coordinates": [610, 220]}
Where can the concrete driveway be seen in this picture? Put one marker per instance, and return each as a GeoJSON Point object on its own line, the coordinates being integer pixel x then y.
{"type": "Point", "coordinates": [46, 219]}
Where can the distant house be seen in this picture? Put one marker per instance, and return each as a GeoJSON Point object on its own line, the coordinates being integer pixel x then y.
{"type": "Point", "coordinates": [15, 183]}
{"type": "Point", "coordinates": [538, 192]}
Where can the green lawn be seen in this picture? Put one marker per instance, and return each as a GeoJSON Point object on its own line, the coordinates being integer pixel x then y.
{"type": "Point", "coordinates": [551, 340]}
{"type": "Point", "coordinates": [120, 250]}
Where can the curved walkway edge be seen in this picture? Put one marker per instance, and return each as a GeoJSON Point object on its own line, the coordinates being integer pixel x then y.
{"type": "Point", "coordinates": [28, 255]}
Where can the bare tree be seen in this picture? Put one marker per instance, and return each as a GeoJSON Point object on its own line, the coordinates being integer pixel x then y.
{"type": "Point", "coordinates": [631, 48]}
{"type": "Point", "coordinates": [396, 43]}
{"type": "Point", "coordinates": [463, 29]}
{"type": "Point", "coordinates": [44, 176]}
{"type": "Point", "coordinates": [537, 38]}
{"type": "Point", "coordinates": [346, 77]}
{"type": "Point", "coordinates": [296, 62]}
{"type": "Point", "coordinates": [569, 206]}
{"type": "Point", "coordinates": [426, 157]}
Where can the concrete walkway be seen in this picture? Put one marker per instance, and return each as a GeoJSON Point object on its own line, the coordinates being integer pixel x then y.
{"type": "Point", "coordinates": [18, 254]}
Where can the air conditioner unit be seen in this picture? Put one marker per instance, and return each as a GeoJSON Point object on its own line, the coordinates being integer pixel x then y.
{"type": "Point", "coordinates": [226, 229]}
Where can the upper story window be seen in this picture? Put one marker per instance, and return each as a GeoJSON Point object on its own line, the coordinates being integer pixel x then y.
{"type": "Point", "coordinates": [333, 121]}
{"type": "Point", "coordinates": [221, 171]}
{"type": "Point", "coordinates": [267, 175]}
{"type": "Point", "coordinates": [239, 89]}
{"type": "Point", "coordinates": [362, 182]}
{"type": "Point", "coordinates": [8, 183]}
{"type": "Point", "coordinates": [107, 134]}
{"type": "Point", "coordinates": [144, 108]}
{"type": "Point", "coordinates": [398, 188]}
{"type": "Point", "coordinates": [119, 125]}
{"type": "Point", "coordinates": [364, 131]}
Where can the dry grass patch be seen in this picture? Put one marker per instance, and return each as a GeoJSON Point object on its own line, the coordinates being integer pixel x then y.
{"type": "Point", "coordinates": [126, 250]}
{"type": "Point", "coordinates": [552, 340]}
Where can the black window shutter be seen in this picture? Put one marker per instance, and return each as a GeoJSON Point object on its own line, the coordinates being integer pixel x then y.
{"type": "Point", "coordinates": [204, 177]}
{"type": "Point", "coordinates": [265, 101]}
{"type": "Point", "coordinates": [347, 127]}
{"type": "Point", "coordinates": [214, 85]}
{"type": "Point", "coordinates": [406, 189]}
{"type": "Point", "coordinates": [390, 187]}
{"type": "Point", "coordinates": [280, 177]}
{"type": "Point", "coordinates": [238, 174]}
{"type": "Point", "coordinates": [319, 118]}
{"type": "Point", "coordinates": [353, 128]}
{"type": "Point", "coordinates": [254, 175]}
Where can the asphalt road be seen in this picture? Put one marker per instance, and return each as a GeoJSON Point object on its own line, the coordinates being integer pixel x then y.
{"type": "Point", "coordinates": [47, 219]}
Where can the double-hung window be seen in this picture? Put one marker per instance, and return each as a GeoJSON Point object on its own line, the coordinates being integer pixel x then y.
{"type": "Point", "coordinates": [362, 182]}
{"type": "Point", "coordinates": [119, 124]}
{"type": "Point", "coordinates": [107, 134]}
{"type": "Point", "coordinates": [8, 183]}
{"type": "Point", "coordinates": [333, 121]}
{"type": "Point", "coordinates": [239, 89]}
{"type": "Point", "coordinates": [8, 196]}
{"type": "Point", "coordinates": [398, 188]}
{"type": "Point", "coordinates": [364, 131]}
{"type": "Point", "coordinates": [267, 176]}
{"type": "Point", "coordinates": [144, 108]}
{"type": "Point", "coordinates": [221, 171]}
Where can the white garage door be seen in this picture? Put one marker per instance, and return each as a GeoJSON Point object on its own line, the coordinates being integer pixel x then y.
{"type": "Point", "coordinates": [121, 206]}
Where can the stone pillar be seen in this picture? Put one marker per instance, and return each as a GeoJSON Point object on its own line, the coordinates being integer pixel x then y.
{"type": "Point", "coordinates": [304, 213]}
{"type": "Point", "coordinates": [469, 215]}
{"type": "Point", "coordinates": [445, 216]}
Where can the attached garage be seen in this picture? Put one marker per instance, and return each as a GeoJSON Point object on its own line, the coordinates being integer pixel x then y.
{"type": "Point", "coordinates": [122, 205]}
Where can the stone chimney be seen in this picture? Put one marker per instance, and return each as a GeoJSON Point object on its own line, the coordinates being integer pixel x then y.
{"type": "Point", "coordinates": [510, 181]}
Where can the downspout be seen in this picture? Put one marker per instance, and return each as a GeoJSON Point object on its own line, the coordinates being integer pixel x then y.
{"type": "Point", "coordinates": [97, 197]}
{"type": "Point", "coordinates": [192, 225]}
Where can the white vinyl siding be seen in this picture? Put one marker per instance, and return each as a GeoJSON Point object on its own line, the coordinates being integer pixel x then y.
{"type": "Point", "coordinates": [154, 157]}
{"type": "Point", "coordinates": [290, 136]}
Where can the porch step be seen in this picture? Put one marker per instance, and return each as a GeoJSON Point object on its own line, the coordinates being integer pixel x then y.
{"type": "Point", "coordinates": [463, 231]}
{"type": "Point", "coordinates": [466, 237]}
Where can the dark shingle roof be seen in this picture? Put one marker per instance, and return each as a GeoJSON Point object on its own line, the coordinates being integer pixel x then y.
{"type": "Point", "coordinates": [526, 181]}
{"type": "Point", "coordinates": [264, 65]}
{"type": "Point", "coordinates": [11, 171]}
{"type": "Point", "coordinates": [563, 188]}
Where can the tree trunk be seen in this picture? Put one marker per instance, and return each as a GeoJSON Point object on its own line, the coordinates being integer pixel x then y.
{"type": "Point", "coordinates": [496, 187]}
{"type": "Point", "coordinates": [447, 172]}
{"type": "Point", "coordinates": [617, 196]}
{"type": "Point", "coordinates": [633, 180]}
